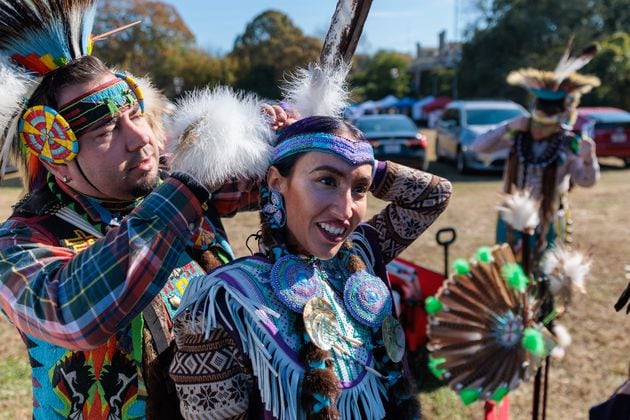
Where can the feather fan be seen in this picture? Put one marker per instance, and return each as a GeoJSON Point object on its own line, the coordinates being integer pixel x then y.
{"type": "Point", "coordinates": [318, 90]}
{"type": "Point", "coordinates": [217, 135]}
{"type": "Point", "coordinates": [483, 339]}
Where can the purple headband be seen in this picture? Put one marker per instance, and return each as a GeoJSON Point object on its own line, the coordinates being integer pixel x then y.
{"type": "Point", "coordinates": [354, 152]}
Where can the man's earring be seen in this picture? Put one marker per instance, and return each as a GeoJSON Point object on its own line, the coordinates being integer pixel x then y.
{"type": "Point", "coordinates": [65, 179]}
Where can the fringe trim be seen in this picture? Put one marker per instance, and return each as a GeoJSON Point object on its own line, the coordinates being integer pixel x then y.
{"type": "Point", "coordinates": [270, 364]}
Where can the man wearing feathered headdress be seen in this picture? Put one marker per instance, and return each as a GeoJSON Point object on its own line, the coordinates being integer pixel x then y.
{"type": "Point", "coordinates": [95, 257]}
{"type": "Point", "coordinates": [546, 157]}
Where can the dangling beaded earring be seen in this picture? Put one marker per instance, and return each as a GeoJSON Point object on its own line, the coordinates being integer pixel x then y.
{"type": "Point", "coordinates": [273, 207]}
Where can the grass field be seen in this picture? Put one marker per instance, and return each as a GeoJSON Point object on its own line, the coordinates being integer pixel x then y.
{"type": "Point", "coordinates": [595, 364]}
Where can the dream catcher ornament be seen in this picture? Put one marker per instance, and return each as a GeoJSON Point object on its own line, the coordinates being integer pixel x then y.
{"type": "Point", "coordinates": [484, 338]}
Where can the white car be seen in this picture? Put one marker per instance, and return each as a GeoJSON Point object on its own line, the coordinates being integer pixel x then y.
{"type": "Point", "coordinates": [462, 121]}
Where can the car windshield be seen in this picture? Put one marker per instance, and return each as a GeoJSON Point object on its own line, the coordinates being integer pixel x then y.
{"type": "Point", "coordinates": [490, 116]}
{"type": "Point", "coordinates": [610, 117]}
{"type": "Point", "coordinates": [385, 124]}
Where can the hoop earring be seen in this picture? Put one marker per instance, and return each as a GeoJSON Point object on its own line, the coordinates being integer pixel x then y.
{"type": "Point", "coordinates": [273, 208]}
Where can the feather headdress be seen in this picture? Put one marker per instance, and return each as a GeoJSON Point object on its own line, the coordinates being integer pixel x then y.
{"type": "Point", "coordinates": [36, 37]}
{"type": "Point", "coordinates": [217, 134]}
{"type": "Point", "coordinates": [563, 81]}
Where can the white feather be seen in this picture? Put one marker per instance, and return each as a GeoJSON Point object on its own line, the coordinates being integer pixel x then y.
{"type": "Point", "coordinates": [318, 90]}
{"type": "Point", "coordinates": [217, 135]}
{"type": "Point", "coordinates": [520, 210]}
{"type": "Point", "coordinates": [15, 85]}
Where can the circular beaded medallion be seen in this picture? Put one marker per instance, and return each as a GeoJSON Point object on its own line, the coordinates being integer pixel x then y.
{"type": "Point", "coordinates": [367, 298]}
{"type": "Point", "coordinates": [294, 282]}
{"type": "Point", "coordinates": [47, 134]}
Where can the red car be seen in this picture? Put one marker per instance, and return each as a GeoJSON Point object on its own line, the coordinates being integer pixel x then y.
{"type": "Point", "coordinates": [609, 127]}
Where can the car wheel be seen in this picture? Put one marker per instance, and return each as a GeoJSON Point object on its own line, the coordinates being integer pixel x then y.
{"type": "Point", "coordinates": [460, 163]}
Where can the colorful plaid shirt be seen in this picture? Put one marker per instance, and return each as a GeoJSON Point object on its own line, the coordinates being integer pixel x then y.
{"type": "Point", "coordinates": [78, 299]}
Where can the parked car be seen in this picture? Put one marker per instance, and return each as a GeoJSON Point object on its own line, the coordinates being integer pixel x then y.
{"type": "Point", "coordinates": [395, 137]}
{"type": "Point", "coordinates": [462, 121]}
{"type": "Point", "coordinates": [609, 127]}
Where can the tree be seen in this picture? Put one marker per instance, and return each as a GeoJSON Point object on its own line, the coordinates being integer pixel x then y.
{"type": "Point", "coordinates": [383, 74]}
{"type": "Point", "coordinates": [520, 33]}
{"type": "Point", "coordinates": [270, 46]}
{"type": "Point", "coordinates": [162, 45]}
{"type": "Point", "coordinates": [612, 65]}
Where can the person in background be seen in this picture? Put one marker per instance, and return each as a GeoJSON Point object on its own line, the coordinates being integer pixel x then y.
{"type": "Point", "coordinates": [545, 156]}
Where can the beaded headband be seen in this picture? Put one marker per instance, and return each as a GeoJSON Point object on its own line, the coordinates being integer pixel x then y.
{"type": "Point", "coordinates": [52, 135]}
{"type": "Point", "coordinates": [353, 152]}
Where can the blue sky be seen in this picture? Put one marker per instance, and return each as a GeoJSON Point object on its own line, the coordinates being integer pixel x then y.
{"type": "Point", "coordinates": [391, 24]}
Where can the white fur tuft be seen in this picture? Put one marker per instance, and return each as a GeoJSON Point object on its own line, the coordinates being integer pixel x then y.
{"type": "Point", "coordinates": [520, 210]}
{"type": "Point", "coordinates": [15, 86]}
{"type": "Point", "coordinates": [318, 90]}
{"type": "Point", "coordinates": [563, 338]}
{"type": "Point", "coordinates": [566, 270]}
{"type": "Point", "coordinates": [217, 135]}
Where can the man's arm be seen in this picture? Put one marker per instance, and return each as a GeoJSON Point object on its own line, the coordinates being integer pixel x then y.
{"type": "Point", "coordinates": [78, 300]}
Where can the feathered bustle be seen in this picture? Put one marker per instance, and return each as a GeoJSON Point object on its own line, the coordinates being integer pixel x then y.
{"type": "Point", "coordinates": [217, 135]}
{"type": "Point", "coordinates": [520, 211]}
{"type": "Point", "coordinates": [318, 90]}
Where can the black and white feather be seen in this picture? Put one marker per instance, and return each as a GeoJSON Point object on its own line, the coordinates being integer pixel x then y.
{"type": "Point", "coordinates": [218, 135]}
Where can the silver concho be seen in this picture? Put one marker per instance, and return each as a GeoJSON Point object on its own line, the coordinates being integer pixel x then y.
{"type": "Point", "coordinates": [321, 323]}
{"type": "Point", "coordinates": [393, 338]}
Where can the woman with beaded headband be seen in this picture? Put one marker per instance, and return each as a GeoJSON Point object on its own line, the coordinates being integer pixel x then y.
{"type": "Point", "coordinates": [95, 258]}
{"type": "Point", "coordinates": [308, 321]}
{"type": "Point", "coordinates": [546, 158]}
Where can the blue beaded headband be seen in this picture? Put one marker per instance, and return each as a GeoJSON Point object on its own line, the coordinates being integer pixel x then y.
{"type": "Point", "coordinates": [354, 152]}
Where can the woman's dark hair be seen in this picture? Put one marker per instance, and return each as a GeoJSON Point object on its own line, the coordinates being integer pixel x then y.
{"type": "Point", "coordinates": [316, 124]}
{"type": "Point", "coordinates": [81, 70]}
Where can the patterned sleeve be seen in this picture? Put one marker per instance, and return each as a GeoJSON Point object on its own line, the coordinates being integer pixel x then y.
{"type": "Point", "coordinates": [211, 376]}
{"type": "Point", "coordinates": [229, 199]}
{"type": "Point", "coordinates": [77, 300]}
{"type": "Point", "coordinates": [416, 199]}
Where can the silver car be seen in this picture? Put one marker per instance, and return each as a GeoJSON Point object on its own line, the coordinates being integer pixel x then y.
{"type": "Point", "coordinates": [462, 121]}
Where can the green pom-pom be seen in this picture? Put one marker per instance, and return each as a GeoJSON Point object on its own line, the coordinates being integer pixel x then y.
{"type": "Point", "coordinates": [461, 266]}
{"type": "Point", "coordinates": [500, 393]}
{"type": "Point", "coordinates": [432, 305]}
{"type": "Point", "coordinates": [515, 277]}
{"type": "Point", "coordinates": [469, 395]}
{"type": "Point", "coordinates": [484, 255]}
{"type": "Point", "coordinates": [533, 342]}
{"type": "Point", "coordinates": [433, 366]}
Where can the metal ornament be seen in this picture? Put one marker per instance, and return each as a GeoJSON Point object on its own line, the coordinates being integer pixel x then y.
{"type": "Point", "coordinates": [393, 338]}
{"type": "Point", "coordinates": [321, 323]}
